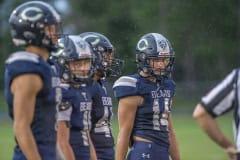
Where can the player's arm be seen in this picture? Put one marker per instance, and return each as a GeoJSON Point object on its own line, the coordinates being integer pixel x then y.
{"type": "Point", "coordinates": [174, 149]}
{"type": "Point", "coordinates": [92, 148]}
{"type": "Point", "coordinates": [63, 135]}
{"type": "Point", "coordinates": [210, 127]}
{"type": "Point", "coordinates": [25, 89]}
{"type": "Point", "coordinates": [127, 108]}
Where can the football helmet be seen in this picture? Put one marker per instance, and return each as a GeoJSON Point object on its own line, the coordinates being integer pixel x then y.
{"type": "Point", "coordinates": [154, 46]}
{"type": "Point", "coordinates": [105, 62]}
{"type": "Point", "coordinates": [73, 49]}
{"type": "Point", "coordinates": [28, 22]}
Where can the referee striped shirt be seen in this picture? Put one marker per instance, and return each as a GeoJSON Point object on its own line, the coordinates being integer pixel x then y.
{"type": "Point", "coordinates": [223, 98]}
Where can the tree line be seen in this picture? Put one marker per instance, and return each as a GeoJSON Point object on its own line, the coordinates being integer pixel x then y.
{"type": "Point", "coordinates": [204, 34]}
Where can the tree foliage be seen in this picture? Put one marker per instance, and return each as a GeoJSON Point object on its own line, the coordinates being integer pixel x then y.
{"type": "Point", "coordinates": [204, 34]}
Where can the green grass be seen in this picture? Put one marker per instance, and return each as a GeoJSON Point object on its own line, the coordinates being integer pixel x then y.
{"type": "Point", "coordinates": [6, 141]}
{"type": "Point", "coordinates": [193, 143]}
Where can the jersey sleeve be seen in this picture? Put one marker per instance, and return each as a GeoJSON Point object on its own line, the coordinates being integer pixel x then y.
{"type": "Point", "coordinates": [221, 98]}
{"type": "Point", "coordinates": [125, 86]}
{"type": "Point", "coordinates": [22, 63]}
{"type": "Point", "coordinates": [64, 107]}
{"type": "Point", "coordinates": [64, 111]}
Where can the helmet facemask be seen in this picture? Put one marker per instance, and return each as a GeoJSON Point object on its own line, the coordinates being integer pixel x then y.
{"type": "Point", "coordinates": [80, 70]}
{"type": "Point", "coordinates": [110, 65]}
{"type": "Point", "coordinates": [50, 37]}
{"type": "Point", "coordinates": [160, 66]}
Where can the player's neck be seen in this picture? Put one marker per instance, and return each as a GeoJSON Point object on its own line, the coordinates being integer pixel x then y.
{"type": "Point", "coordinates": [43, 52]}
{"type": "Point", "coordinates": [98, 75]}
{"type": "Point", "coordinates": [147, 76]}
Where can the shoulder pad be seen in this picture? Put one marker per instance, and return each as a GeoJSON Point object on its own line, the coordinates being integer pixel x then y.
{"type": "Point", "coordinates": [125, 81]}
{"type": "Point", "coordinates": [125, 86]}
{"type": "Point", "coordinates": [24, 62]}
{"type": "Point", "coordinates": [23, 56]}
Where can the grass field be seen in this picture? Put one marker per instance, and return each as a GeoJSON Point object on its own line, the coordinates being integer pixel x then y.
{"type": "Point", "coordinates": [194, 145]}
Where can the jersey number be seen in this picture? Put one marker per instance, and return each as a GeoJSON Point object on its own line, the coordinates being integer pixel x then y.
{"type": "Point", "coordinates": [160, 119]}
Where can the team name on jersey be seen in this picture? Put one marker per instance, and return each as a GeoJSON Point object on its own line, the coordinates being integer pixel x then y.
{"type": "Point", "coordinates": [107, 101]}
{"type": "Point", "coordinates": [85, 106]}
{"type": "Point", "coordinates": [161, 93]}
{"type": "Point", "coordinates": [55, 81]}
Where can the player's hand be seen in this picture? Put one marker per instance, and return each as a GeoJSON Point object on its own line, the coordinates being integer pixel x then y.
{"type": "Point", "coordinates": [231, 152]}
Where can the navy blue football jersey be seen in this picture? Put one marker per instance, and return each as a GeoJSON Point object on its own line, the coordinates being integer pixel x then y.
{"type": "Point", "coordinates": [101, 133]}
{"type": "Point", "coordinates": [75, 106]}
{"type": "Point", "coordinates": [151, 120]}
{"type": "Point", "coordinates": [44, 117]}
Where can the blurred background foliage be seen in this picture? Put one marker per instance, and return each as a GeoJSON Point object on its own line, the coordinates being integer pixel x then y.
{"type": "Point", "coordinates": [204, 34]}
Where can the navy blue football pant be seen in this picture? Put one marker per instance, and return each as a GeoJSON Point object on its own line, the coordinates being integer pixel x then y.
{"type": "Point", "coordinates": [81, 152]}
{"type": "Point", "coordinates": [147, 151]}
{"type": "Point", "coordinates": [47, 152]}
{"type": "Point", "coordinates": [105, 153]}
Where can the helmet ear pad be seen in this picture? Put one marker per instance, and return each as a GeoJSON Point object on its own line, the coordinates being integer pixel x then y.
{"type": "Point", "coordinates": [142, 57]}
{"type": "Point", "coordinates": [142, 62]}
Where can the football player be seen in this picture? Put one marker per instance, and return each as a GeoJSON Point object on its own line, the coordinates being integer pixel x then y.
{"type": "Point", "coordinates": [74, 106]}
{"type": "Point", "coordinates": [106, 65]}
{"type": "Point", "coordinates": [145, 103]}
{"type": "Point", "coordinates": [29, 80]}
